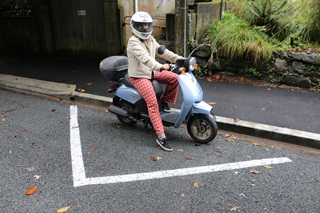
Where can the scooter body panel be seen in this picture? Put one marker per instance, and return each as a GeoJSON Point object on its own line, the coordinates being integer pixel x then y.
{"type": "Point", "coordinates": [127, 93]}
{"type": "Point", "coordinates": [192, 94]}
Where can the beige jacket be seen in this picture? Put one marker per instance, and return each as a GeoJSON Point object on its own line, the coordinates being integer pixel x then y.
{"type": "Point", "coordinates": [141, 57]}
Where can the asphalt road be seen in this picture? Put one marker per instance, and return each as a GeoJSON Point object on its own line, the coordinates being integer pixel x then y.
{"type": "Point", "coordinates": [111, 168]}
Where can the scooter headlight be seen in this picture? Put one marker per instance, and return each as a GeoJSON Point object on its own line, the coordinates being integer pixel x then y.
{"type": "Point", "coordinates": [191, 63]}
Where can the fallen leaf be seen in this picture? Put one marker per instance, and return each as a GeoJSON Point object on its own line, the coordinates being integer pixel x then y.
{"type": "Point", "coordinates": [89, 84]}
{"type": "Point", "coordinates": [64, 209]}
{"type": "Point", "coordinates": [82, 91]}
{"type": "Point", "coordinates": [232, 137]}
{"type": "Point", "coordinates": [217, 149]}
{"type": "Point", "coordinates": [34, 89]}
{"type": "Point", "coordinates": [256, 144]}
{"type": "Point", "coordinates": [153, 158]}
{"type": "Point", "coordinates": [3, 120]}
{"type": "Point", "coordinates": [209, 79]}
{"type": "Point", "coordinates": [23, 129]}
{"type": "Point", "coordinates": [217, 77]}
{"type": "Point", "coordinates": [190, 158]}
{"type": "Point", "coordinates": [93, 147]}
{"type": "Point", "coordinates": [32, 190]}
{"type": "Point", "coordinates": [196, 184]}
{"type": "Point", "coordinates": [268, 167]}
{"type": "Point", "coordinates": [235, 208]}
{"type": "Point", "coordinates": [254, 171]}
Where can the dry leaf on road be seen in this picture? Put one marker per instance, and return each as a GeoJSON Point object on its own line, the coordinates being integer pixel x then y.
{"type": "Point", "coordinates": [64, 209]}
{"type": "Point", "coordinates": [217, 149]}
{"type": "Point", "coordinates": [254, 171]}
{"type": "Point", "coordinates": [154, 158]}
{"type": "Point", "coordinates": [235, 208]}
{"type": "Point", "coordinates": [32, 190]}
{"type": "Point", "coordinates": [196, 184]}
{"type": "Point", "coordinates": [256, 144]}
{"type": "Point", "coordinates": [190, 158]}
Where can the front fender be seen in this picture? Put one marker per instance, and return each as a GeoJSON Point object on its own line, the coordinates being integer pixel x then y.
{"type": "Point", "coordinates": [201, 108]}
{"type": "Point", "coordinates": [197, 108]}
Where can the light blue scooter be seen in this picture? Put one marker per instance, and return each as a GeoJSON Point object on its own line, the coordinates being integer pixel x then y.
{"type": "Point", "coordinates": [130, 107]}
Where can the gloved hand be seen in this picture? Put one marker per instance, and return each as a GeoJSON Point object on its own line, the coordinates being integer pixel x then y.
{"type": "Point", "coordinates": [180, 62]}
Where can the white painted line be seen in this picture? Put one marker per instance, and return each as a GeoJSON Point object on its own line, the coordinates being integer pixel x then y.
{"type": "Point", "coordinates": [184, 172]}
{"type": "Point", "coordinates": [79, 177]}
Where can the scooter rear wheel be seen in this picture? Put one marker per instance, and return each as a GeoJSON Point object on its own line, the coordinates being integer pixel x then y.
{"type": "Point", "coordinates": [129, 107]}
{"type": "Point", "coordinates": [202, 128]}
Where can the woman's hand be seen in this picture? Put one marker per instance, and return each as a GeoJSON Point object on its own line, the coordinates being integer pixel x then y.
{"type": "Point", "coordinates": [165, 66]}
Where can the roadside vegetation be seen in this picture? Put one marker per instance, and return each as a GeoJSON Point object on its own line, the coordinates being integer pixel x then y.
{"type": "Point", "coordinates": [257, 30]}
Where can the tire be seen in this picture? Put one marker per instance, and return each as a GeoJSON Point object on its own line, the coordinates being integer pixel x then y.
{"type": "Point", "coordinates": [208, 128]}
{"type": "Point", "coordinates": [128, 107]}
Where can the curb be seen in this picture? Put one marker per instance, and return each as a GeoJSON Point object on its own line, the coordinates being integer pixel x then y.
{"type": "Point", "coordinates": [291, 136]}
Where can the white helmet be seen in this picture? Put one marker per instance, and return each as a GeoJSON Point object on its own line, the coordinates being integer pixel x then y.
{"type": "Point", "coordinates": [139, 19]}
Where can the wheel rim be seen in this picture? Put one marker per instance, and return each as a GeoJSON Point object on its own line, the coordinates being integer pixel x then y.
{"type": "Point", "coordinates": [205, 129]}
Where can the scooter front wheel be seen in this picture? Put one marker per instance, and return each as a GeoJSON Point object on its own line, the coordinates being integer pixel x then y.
{"type": "Point", "coordinates": [202, 128]}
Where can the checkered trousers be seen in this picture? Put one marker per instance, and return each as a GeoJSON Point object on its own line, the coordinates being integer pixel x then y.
{"type": "Point", "coordinates": [145, 88]}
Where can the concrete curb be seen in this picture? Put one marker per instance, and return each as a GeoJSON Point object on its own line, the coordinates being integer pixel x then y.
{"type": "Point", "coordinates": [292, 136]}
{"type": "Point", "coordinates": [34, 85]}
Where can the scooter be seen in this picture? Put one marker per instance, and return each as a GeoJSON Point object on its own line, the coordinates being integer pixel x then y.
{"type": "Point", "coordinates": [130, 108]}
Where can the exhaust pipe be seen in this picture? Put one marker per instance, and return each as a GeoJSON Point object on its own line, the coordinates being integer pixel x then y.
{"type": "Point", "coordinates": [118, 111]}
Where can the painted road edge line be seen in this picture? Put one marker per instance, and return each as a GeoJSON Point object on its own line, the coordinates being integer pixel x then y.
{"type": "Point", "coordinates": [79, 177]}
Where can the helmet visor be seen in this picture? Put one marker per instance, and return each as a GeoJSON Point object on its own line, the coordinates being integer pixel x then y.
{"type": "Point", "coordinates": [143, 26]}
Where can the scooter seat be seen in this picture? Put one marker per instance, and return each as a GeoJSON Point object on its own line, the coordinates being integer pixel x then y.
{"type": "Point", "coordinates": [127, 81]}
{"type": "Point", "coordinates": [156, 85]}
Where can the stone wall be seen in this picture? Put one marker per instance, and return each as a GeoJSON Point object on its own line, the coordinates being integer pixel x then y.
{"type": "Point", "coordinates": [300, 69]}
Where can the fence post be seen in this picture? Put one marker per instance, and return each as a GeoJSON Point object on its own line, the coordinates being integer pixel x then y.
{"type": "Point", "coordinates": [181, 27]}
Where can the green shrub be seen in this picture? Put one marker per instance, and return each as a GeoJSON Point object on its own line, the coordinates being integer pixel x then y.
{"type": "Point", "coordinates": [236, 39]}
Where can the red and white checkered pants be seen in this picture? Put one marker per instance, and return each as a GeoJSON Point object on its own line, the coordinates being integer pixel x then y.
{"type": "Point", "coordinates": [145, 88]}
